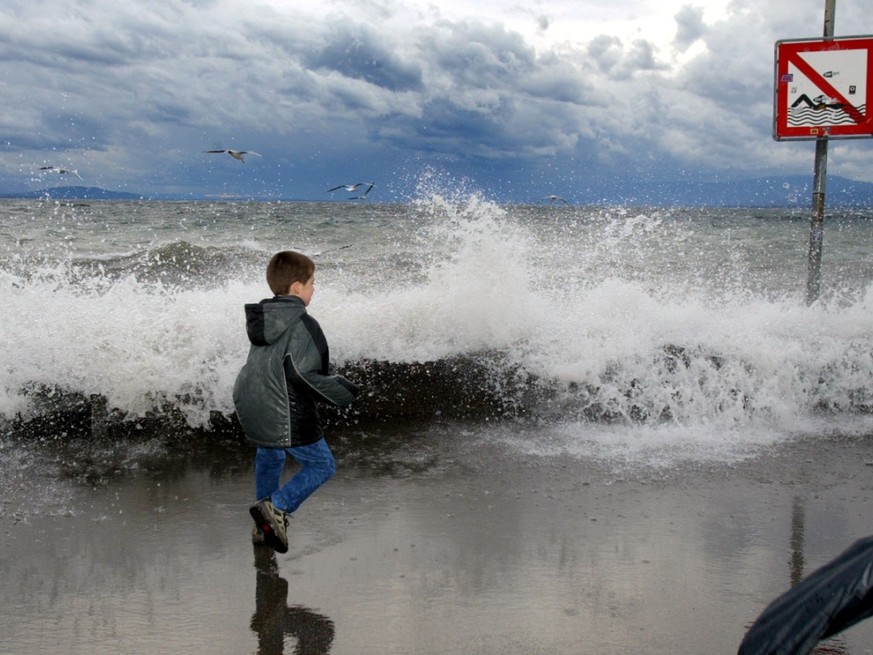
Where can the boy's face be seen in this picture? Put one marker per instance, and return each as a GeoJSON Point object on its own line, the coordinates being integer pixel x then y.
{"type": "Point", "coordinates": [303, 291]}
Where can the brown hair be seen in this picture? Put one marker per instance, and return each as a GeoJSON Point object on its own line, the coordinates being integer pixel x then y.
{"type": "Point", "coordinates": [286, 268]}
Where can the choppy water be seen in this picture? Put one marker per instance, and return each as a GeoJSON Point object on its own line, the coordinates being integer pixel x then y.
{"type": "Point", "coordinates": [631, 334]}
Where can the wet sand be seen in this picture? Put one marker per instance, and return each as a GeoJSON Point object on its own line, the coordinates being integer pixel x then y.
{"type": "Point", "coordinates": [437, 549]}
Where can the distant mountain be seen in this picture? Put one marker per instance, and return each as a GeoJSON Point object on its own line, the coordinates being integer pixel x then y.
{"type": "Point", "coordinates": [75, 193]}
{"type": "Point", "coordinates": [777, 191]}
{"type": "Point", "coordinates": [782, 191]}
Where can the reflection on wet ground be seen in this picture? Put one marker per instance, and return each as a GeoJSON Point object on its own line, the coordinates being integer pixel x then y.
{"type": "Point", "coordinates": [425, 550]}
{"type": "Point", "coordinates": [274, 621]}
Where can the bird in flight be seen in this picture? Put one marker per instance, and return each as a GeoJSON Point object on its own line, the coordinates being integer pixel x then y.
{"type": "Point", "coordinates": [554, 198]}
{"type": "Point", "coordinates": [236, 154]}
{"type": "Point", "coordinates": [351, 188]}
{"type": "Point", "coordinates": [59, 171]}
{"type": "Point", "coordinates": [370, 185]}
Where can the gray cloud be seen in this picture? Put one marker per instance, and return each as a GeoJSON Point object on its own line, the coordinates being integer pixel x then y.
{"type": "Point", "coordinates": [620, 62]}
{"type": "Point", "coordinates": [689, 27]}
{"type": "Point", "coordinates": [359, 52]}
{"type": "Point", "coordinates": [132, 92]}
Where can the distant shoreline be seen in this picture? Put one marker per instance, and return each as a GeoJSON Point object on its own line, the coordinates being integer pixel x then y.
{"type": "Point", "coordinates": [767, 192]}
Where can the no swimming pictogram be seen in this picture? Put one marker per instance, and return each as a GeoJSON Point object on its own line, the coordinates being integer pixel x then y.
{"type": "Point", "coordinates": [823, 88]}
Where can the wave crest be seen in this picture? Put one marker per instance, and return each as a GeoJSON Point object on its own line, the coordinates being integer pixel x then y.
{"type": "Point", "coordinates": [678, 385]}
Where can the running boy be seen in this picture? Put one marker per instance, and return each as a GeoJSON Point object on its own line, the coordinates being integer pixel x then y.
{"type": "Point", "coordinates": [275, 395]}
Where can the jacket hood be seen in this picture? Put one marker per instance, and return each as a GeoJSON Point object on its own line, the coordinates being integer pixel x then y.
{"type": "Point", "coordinates": [267, 320]}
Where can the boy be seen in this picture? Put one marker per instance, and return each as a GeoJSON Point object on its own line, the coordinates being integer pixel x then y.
{"type": "Point", "coordinates": [286, 372]}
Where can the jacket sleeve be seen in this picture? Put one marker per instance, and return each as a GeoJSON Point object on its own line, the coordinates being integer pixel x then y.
{"type": "Point", "coordinates": [260, 397]}
{"type": "Point", "coordinates": [310, 359]}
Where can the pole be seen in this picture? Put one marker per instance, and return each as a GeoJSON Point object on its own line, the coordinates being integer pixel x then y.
{"type": "Point", "coordinates": [816, 228]}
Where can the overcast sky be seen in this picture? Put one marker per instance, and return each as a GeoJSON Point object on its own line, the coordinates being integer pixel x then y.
{"type": "Point", "coordinates": [516, 99]}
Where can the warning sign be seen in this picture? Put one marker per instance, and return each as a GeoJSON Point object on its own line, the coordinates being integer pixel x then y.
{"type": "Point", "coordinates": [823, 88]}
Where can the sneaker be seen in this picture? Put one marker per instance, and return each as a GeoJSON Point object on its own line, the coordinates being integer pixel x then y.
{"type": "Point", "coordinates": [271, 521]}
{"type": "Point", "coordinates": [258, 534]}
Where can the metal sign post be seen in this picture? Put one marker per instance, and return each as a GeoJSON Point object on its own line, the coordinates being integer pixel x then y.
{"type": "Point", "coordinates": [824, 90]}
{"type": "Point", "coordinates": [816, 226]}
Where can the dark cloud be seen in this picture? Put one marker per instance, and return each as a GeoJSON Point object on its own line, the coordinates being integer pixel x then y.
{"type": "Point", "coordinates": [618, 62]}
{"type": "Point", "coordinates": [736, 68]}
{"type": "Point", "coordinates": [484, 94]}
{"type": "Point", "coordinates": [360, 53]}
{"type": "Point", "coordinates": [492, 60]}
{"type": "Point", "coordinates": [119, 93]}
{"type": "Point", "coordinates": [689, 27]}
{"type": "Point", "coordinates": [641, 57]}
{"type": "Point", "coordinates": [606, 51]}
{"type": "Point", "coordinates": [476, 55]}
{"type": "Point", "coordinates": [558, 80]}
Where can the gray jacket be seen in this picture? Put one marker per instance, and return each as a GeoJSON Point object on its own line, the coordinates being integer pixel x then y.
{"type": "Point", "coordinates": [286, 373]}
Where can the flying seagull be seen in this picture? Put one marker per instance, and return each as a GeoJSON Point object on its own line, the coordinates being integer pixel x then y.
{"type": "Point", "coordinates": [354, 187]}
{"type": "Point", "coordinates": [351, 187]}
{"type": "Point", "coordinates": [59, 171]}
{"type": "Point", "coordinates": [554, 198]}
{"type": "Point", "coordinates": [236, 154]}
{"type": "Point", "coordinates": [363, 195]}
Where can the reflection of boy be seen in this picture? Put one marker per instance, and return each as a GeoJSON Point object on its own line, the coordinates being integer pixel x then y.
{"type": "Point", "coordinates": [273, 619]}
{"type": "Point", "coordinates": [275, 395]}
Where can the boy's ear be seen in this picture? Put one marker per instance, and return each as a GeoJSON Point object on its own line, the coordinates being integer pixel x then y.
{"type": "Point", "coordinates": [291, 289]}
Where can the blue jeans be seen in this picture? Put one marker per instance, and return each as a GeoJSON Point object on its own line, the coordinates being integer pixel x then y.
{"type": "Point", "coordinates": [317, 466]}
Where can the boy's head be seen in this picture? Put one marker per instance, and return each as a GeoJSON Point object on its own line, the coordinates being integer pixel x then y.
{"type": "Point", "coordinates": [290, 273]}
